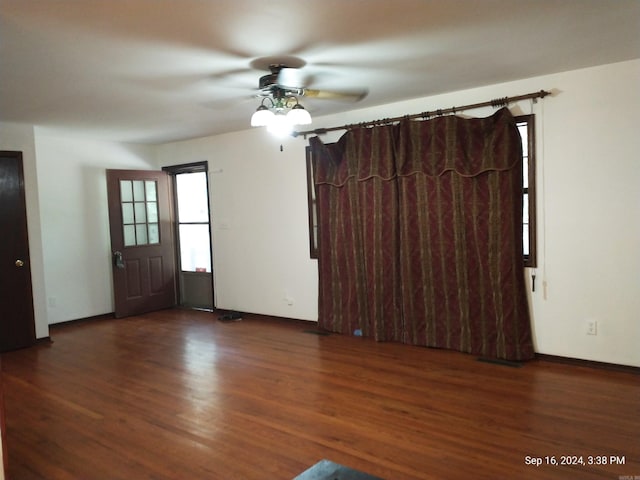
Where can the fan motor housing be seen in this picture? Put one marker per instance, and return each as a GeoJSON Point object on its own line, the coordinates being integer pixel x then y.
{"type": "Point", "coordinates": [268, 81]}
{"type": "Point", "coordinates": [268, 85]}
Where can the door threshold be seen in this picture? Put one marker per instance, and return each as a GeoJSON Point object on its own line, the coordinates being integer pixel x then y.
{"type": "Point", "coordinates": [200, 309]}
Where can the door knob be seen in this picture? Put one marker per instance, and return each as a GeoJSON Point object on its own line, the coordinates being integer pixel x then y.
{"type": "Point", "coordinates": [117, 259]}
{"type": "Point", "coordinates": [19, 263]}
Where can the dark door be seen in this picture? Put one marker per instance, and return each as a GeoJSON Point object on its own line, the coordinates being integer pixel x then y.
{"type": "Point", "coordinates": [17, 326]}
{"type": "Point", "coordinates": [141, 241]}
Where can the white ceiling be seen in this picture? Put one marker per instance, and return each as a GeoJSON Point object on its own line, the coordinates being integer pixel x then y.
{"type": "Point", "coordinates": [161, 70]}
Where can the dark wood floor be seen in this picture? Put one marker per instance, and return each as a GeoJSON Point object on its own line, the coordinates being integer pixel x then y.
{"type": "Point", "coordinates": [180, 395]}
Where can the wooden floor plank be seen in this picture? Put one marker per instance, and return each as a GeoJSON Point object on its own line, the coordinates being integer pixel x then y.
{"type": "Point", "coordinates": [179, 395]}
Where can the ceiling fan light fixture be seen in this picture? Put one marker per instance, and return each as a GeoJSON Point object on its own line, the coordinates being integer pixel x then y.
{"type": "Point", "coordinates": [261, 117]}
{"type": "Point", "coordinates": [280, 113]}
{"type": "Point", "coordinates": [280, 90]}
{"type": "Point", "coordinates": [299, 115]}
{"type": "Point", "coordinates": [280, 124]}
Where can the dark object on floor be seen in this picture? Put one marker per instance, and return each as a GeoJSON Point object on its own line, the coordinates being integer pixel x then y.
{"type": "Point", "coordinates": [498, 361]}
{"type": "Point", "coordinates": [327, 470]}
{"type": "Point", "coordinates": [230, 317]}
{"type": "Point", "coordinates": [324, 333]}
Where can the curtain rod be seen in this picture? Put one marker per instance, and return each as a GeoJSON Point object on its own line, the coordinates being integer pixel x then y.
{"type": "Point", "coordinates": [500, 102]}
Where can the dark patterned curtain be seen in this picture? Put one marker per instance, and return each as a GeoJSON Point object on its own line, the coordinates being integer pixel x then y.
{"type": "Point", "coordinates": [359, 269]}
{"type": "Point", "coordinates": [420, 235]}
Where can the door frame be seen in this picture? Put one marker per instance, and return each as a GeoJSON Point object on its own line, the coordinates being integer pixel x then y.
{"type": "Point", "coordinates": [173, 170]}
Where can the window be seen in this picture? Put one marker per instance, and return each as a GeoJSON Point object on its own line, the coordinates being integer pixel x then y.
{"type": "Point", "coordinates": [193, 221]}
{"type": "Point", "coordinates": [311, 203]}
{"type": "Point", "coordinates": [525, 124]}
{"type": "Point", "coordinates": [139, 205]}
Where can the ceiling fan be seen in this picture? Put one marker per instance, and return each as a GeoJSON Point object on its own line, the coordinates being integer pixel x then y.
{"type": "Point", "coordinates": [280, 109]}
{"type": "Point", "coordinates": [284, 80]}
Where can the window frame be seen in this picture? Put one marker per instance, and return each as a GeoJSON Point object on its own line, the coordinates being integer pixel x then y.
{"type": "Point", "coordinates": [529, 150]}
{"type": "Point", "coordinates": [530, 260]}
{"type": "Point", "coordinates": [311, 205]}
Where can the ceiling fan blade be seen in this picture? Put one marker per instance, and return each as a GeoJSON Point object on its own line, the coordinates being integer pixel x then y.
{"type": "Point", "coordinates": [344, 95]}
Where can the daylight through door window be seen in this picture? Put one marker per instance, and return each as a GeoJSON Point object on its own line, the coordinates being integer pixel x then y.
{"type": "Point", "coordinates": [139, 203]}
{"type": "Point", "coordinates": [193, 222]}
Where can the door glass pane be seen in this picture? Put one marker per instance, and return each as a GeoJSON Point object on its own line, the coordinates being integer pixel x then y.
{"type": "Point", "coordinates": [141, 234]}
{"type": "Point", "coordinates": [193, 204]}
{"type": "Point", "coordinates": [129, 235]}
{"type": "Point", "coordinates": [152, 212]}
{"type": "Point", "coordinates": [138, 191]}
{"type": "Point", "coordinates": [127, 213]}
{"type": "Point", "coordinates": [126, 194]}
{"type": "Point", "coordinates": [151, 191]}
{"type": "Point", "coordinates": [195, 250]}
{"type": "Point", "coordinates": [141, 213]}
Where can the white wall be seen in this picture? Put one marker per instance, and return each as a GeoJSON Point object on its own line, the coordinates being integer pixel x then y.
{"type": "Point", "coordinates": [592, 204]}
{"type": "Point", "coordinates": [588, 206]}
{"type": "Point", "coordinates": [261, 258]}
{"type": "Point", "coordinates": [20, 138]}
{"type": "Point", "coordinates": [74, 220]}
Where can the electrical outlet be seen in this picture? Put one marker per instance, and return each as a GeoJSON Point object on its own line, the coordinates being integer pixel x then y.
{"type": "Point", "coordinates": [592, 327]}
{"type": "Point", "coordinates": [288, 299]}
